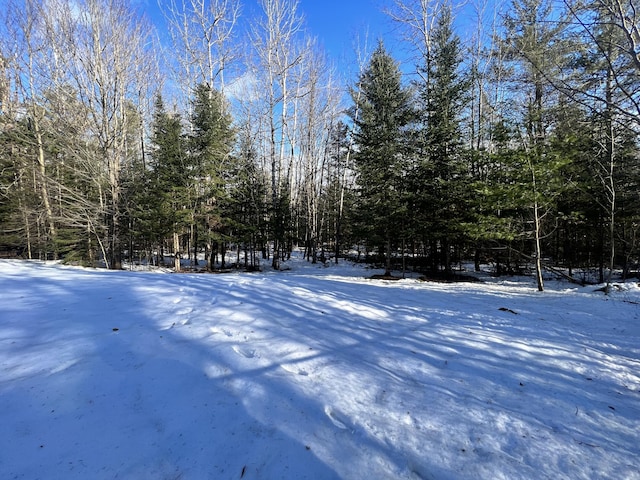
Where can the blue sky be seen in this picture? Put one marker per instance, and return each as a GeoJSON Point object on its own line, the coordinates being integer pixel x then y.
{"type": "Point", "coordinates": [335, 23]}
{"type": "Point", "coordinates": [341, 25]}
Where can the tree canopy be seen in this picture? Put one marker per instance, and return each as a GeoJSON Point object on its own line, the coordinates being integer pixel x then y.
{"type": "Point", "coordinates": [234, 140]}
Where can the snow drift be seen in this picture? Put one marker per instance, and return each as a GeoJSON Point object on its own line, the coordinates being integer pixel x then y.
{"type": "Point", "coordinates": [313, 373]}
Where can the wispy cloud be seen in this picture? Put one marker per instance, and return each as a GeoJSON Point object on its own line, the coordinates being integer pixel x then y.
{"type": "Point", "coordinates": [244, 87]}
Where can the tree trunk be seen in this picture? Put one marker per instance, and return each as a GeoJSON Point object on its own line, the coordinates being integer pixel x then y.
{"type": "Point", "coordinates": [387, 271]}
{"type": "Point", "coordinates": [176, 251]}
{"type": "Point", "coordinates": [195, 244]}
{"type": "Point", "coordinates": [538, 253]}
{"type": "Point", "coordinates": [610, 186]}
{"type": "Point", "coordinates": [44, 192]}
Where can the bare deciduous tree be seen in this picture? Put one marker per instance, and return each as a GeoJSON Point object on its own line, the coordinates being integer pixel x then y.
{"type": "Point", "coordinates": [418, 20]}
{"type": "Point", "coordinates": [202, 33]}
{"type": "Point", "coordinates": [621, 19]}
{"type": "Point", "coordinates": [30, 51]}
{"type": "Point", "coordinates": [319, 112]}
{"type": "Point", "coordinates": [276, 45]}
{"type": "Point", "coordinates": [103, 47]}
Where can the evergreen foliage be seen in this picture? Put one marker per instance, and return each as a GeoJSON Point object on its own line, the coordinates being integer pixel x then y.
{"type": "Point", "coordinates": [210, 147]}
{"type": "Point", "coordinates": [166, 197]}
{"type": "Point", "coordinates": [521, 150]}
{"type": "Point", "coordinates": [382, 149]}
{"type": "Point", "coordinates": [441, 177]}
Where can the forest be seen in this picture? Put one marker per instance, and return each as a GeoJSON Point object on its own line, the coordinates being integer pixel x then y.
{"type": "Point", "coordinates": [497, 132]}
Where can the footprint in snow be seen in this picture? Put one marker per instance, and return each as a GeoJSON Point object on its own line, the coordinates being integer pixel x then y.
{"type": "Point", "coordinates": [243, 352]}
{"type": "Point", "coordinates": [381, 397]}
{"type": "Point", "coordinates": [337, 418]}
{"type": "Point", "coordinates": [294, 370]}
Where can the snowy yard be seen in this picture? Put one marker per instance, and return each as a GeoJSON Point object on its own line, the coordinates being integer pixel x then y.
{"type": "Point", "coordinates": [313, 373]}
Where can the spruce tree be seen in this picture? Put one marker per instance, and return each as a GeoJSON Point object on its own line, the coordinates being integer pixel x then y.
{"type": "Point", "coordinates": [167, 199]}
{"type": "Point", "coordinates": [606, 83]}
{"type": "Point", "coordinates": [381, 138]}
{"type": "Point", "coordinates": [441, 188]}
{"type": "Point", "coordinates": [248, 205]}
{"type": "Point", "coordinates": [211, 145]}
{"type": "Point", "coordinates": [533, 45]}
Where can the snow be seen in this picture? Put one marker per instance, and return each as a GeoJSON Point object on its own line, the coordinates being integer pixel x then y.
{"type": "Point", "coordinates": [317, 373]}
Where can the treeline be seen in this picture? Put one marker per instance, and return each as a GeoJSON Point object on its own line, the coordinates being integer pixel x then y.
{"type": "Point", "coordinates": [516, 143]}
{"type": "Point", "coordinates": [524, 148]}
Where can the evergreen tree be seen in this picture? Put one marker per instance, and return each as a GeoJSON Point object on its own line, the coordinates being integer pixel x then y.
{"type": "Point", "coordinates": [382, 147]}
{"type": "Point", "coordinates": [606, 82]}
{"type": "Point", "coordinates": [577, 218]}
{"type": "Point", "coordinates": [247, 207]}
{"type": "Point", "coordinates": [164, 209]}
{"type": "Point", "coordinates": [211, 144]}
{"type": "Point", "coordinates": [338, 197]}
{"type": "Point", "coordinates": [495, 212]}
{"type": "Point", "coordinates": [533, 41]}
{"type": "Point", "coordinates": [441, 172]}
{"type": "Point", "coordinates": [17, 200]}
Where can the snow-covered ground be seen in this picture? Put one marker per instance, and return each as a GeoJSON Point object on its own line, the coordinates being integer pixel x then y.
{"type": "Point", "coordinates": [313, 373]}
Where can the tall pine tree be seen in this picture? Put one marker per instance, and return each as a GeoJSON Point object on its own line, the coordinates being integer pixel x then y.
{"type": "Point", "coordinates": [440, 188]}
{"type": "Point", "coordinates": [165, 205]}
{"type": "Point", "coordinates": [211, 145]}
{"type": "Point", "coordinates": [533, 45]}
{"type": "Point", "coordinates": [381, 138]}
